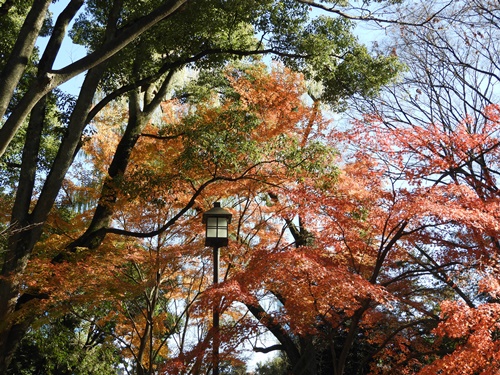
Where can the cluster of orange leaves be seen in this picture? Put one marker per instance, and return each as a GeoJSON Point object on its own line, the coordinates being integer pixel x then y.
{"type": "Point", "coordinates": [354, 217]}
{"type": "Point", "coordinates": [108, 281]}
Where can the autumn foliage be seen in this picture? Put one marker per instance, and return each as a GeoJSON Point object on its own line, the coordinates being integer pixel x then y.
{"type": "Point", "coordinates": [369, 250]}
{"type": "Point", "coordinates": [142, 287]}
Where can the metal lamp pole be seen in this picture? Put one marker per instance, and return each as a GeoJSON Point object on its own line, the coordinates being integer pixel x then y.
{"type": "Point", "coordinates": [216, 220]}
{"type": "Point", "coordinates": [215, 316]}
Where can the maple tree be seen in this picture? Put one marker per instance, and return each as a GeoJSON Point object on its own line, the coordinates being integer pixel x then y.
{"type": "Point", "coordinates": [450, 112]}
{"type": "Point", "coordinates": [143, 290]}
{"type": "Point", "coordinates": [461, 219]}
{"type": "Point", "coordinates": [362, 279]}
{"type": "Point", "coordinates": [411, 222]}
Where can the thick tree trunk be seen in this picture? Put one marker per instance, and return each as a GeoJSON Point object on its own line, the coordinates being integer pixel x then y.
{"type": "Point", "coordinates": [95, 233]}
{"type": "Point", "coordinates": [25, 233]}
{"type": "Point", "coordinates": [137, 119]}
{"type": "Point", "coordinates": [21, 53]}
{"type": "Point", "coordinates": [11, 324]}
{"type": "Point", "coordinates": [118, 40]}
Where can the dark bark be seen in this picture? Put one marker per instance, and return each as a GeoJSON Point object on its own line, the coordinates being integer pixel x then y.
{"type": "Point", "coordinates": [279, 333]}
{"type": "Point", "coordinates": [21, 53]}
{"type": "Point", "coordinates": [97, 229]}
{"type": "Point", "coordinates": [95, 233]}
{"type": "Point", "coordinates": [117, 41]}
{"type": "Point", "coordinates": [26, 227]}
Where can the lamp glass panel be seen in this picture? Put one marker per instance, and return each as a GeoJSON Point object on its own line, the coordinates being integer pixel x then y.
{"type": "Point", "coordinates": [222, 228]}
{"type": "Point", "coordinates": [212, 227]}
{"type": "Point", "coordinates": [217, 227]}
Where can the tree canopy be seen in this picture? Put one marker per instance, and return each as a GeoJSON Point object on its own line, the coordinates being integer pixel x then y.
{"type": "Point", "coordinates": [361, 247]}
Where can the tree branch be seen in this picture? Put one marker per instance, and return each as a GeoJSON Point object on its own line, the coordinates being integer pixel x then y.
{"type": "Point", "coordinates": [269, 348]}
{"type": "Point", "coordinates": [370, 16]}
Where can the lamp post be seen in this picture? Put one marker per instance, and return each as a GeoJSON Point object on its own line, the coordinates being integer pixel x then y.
{"type": "Point", "coordinates": [216, 220]}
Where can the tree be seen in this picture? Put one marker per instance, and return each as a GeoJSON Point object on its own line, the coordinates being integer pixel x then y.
{"type": "Point", "coordinates": [126, 56]}
{"type": "Point", "coordinates": [441, 122]}
{"type": "Point", "coordinates": [450, 225]}
{"type": "Point", "coordinates": [144, 293]}
{"type": "Point", "coordinates": [421, 235]}
{"type": "Point", "coordinates": [64, 346]}
{"type": "Point", "coordinates": [332, 311]}
{"type": "Point", "coordinates": [403, 231]}
{"type": "Point", "coordinates": [385, 249]}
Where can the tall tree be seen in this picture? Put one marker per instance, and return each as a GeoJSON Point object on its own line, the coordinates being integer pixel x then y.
{"type": "Point", "coordinates": [135, 50]}
{"type": "Point", "coordinates": [247, 137]}
{"type": "Point", "coordinates": [446, 109]}
{"type": "Point", "coordinates": [375, 252]}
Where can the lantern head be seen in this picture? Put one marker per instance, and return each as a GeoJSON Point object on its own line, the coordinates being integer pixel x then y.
{"type": "Point", "coordinates": [216, 220]}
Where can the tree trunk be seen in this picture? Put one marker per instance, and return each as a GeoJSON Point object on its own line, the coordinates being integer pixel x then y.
{"type": "Point", "coordinates": [21, 53]}
{"type": "Point", "coordinates": [116, 41]}
{"type": "Point", "coordinates": [24, 235]}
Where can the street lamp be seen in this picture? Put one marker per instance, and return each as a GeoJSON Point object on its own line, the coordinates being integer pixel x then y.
{"type": "Point", "coordinates": [216, 220]}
